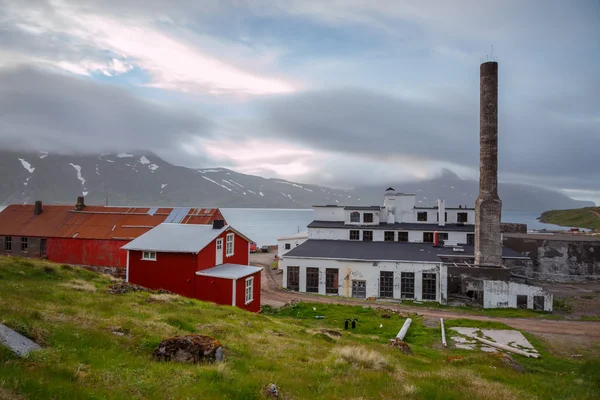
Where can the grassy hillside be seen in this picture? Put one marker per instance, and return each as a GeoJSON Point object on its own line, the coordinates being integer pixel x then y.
{"type": "Point", "coordinates": [99, 346]}
{"type": "Point", "coordinates": [588, 217]}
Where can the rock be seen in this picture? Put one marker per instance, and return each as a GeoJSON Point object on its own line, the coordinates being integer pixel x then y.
{"type": "Point", "coordinates": [508, 360]}
{"type": "Point", "coordinates": [385, 316]}
{"type": "Point", "coordinates": [16, 342]}
{"type": "Point", "coordinates": [271, 391]}
{"type": "Point", "coordinates": [403, 346]}
{"type": "Point", "coordinates": [190, 349]}
{"type": "Point", "coordinates": [331, 332]}
{"type": "Point", "coordinates": [125, 287]}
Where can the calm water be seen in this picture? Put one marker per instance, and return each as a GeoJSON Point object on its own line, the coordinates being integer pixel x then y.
{"type": "Point", "coordinates": [264, 226]}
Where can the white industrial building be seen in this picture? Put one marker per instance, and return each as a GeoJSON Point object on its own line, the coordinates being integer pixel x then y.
{"type": "Point", "coordinates": [398, 251]}
{"type": "Point", "coordinates": [285, 244]}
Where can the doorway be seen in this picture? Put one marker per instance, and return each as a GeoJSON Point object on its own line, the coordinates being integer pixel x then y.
{"type": "Point", "coordinates": [359, 289]}
{"type": "Point", "coordinates": [219, 250]}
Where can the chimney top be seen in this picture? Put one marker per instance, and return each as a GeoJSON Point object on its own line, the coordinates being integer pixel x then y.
{"type": "Point", "coordinates": [37, 208]}
{"type": "Point", "coordinates": [80, 205]}
{"type": "Point", "coordinates": [218, 224]}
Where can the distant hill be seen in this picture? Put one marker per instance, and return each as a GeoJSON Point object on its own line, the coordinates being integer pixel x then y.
{"type": "Point", "coordinates": [588, 217]}
{"type": "Point", "coordinates": [146, 179]}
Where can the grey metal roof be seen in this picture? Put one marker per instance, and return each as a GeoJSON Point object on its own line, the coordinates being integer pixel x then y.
{"type": "Point", "coordinates": [382, 251]}
{"type": "Point", "coordinates": [176, 238]}
{"type": "Point", "coordinates": [406, 226]}
{"type": "Point", "coordinates": [447, 208]}
{"type": "Point", "coordinates": [374, 208]}
{"type": "Point", "coordinates": [229, 271]}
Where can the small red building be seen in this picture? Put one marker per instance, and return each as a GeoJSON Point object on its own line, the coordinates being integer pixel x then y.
{"type": "Point", "coordinates": [206, 262]}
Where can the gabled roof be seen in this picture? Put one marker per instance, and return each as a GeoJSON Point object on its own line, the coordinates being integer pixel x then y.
{"type": "Point", "coordinates": [178, 238]}
{"type": "Point", "coordinates": [96, 222]}
{"type": "Point", "coordinates": [229, 271]}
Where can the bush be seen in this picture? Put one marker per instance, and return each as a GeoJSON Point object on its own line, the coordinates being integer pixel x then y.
{"type": "Point", "coordinates": [361, 357]}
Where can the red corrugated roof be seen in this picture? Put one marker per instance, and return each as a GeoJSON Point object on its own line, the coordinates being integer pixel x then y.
{"type": "Point", "coordinates": [93, 222]}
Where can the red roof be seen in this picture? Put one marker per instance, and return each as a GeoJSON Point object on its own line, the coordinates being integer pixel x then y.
{"type": "Point", "coordinates": [96, 222]}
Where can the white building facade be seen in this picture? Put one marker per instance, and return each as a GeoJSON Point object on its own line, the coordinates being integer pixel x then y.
{"type": "Point", "coordinates": [285, 244]}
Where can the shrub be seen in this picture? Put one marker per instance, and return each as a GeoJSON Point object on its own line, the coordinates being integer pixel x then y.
{"type": "Point", "coordinates": [361, 357]}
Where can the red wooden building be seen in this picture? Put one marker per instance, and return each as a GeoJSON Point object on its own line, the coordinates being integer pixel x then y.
{"type": "Point", "coordinates": [207, 262]}
{"type": "Point", "coordinates": [87, 235]}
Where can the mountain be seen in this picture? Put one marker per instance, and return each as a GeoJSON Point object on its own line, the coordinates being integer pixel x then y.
{"type": "Point", "coordinates": [144, 179]}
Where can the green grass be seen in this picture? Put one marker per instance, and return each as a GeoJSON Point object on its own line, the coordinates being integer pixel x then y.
{"type": "Point", "coordinates": [83, 358]}
{"type": "Point", "coordinates": [578, 217]}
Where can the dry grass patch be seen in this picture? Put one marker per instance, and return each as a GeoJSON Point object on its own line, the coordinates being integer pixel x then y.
{"type": "Point", "coordinates": [476, 385]}
{"type": "Point", "coordinates": [9, 395]}
{"type": "Point", "coordinates": [80, 285]}
{"type": "Point", "coordinates": [361, 357]}
{"type": "Point", "coordinates": [164, 297]}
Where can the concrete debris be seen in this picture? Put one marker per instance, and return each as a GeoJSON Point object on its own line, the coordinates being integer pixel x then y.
{"type": "Point", "coordinates": [491, 340]}
{"type": "Point", "coordinates": [16, 342]}
{"type": "Point", "coordinates": [271, 391]}
{"type": "Point", "coordinates": [403, 346]}
{"type": "Point", "coordinates": [508, 360]}
{"type": "Point", "coordinates": [292, 302]}
{"type": "Point", "coordinates": [463, 343]}
{"type": "Point", "coordinates": [190, 349]}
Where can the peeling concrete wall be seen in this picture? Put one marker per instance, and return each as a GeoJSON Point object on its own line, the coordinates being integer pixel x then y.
{"type": "Point", "coordinates": [369, 272]}
{"type": "Point", "coordinates": [512, 227]}
{"type": "Point", "coordinates": [558, 260]}
{"type": "Point", "coordinates": [500, 294]}
{"type": "Point", "coordinates": [464, 279]}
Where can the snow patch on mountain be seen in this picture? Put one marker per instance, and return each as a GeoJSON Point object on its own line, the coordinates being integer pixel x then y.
{"type": "Point", "coordinates": [26, 180]}
{"type": "Point", "coordinates": [163, 185]}
{"type": "Point", "coordinates": [234, 182]}
{"type": "Point", "coordinates": [44, 155]}
{"type": "Point", "coordinates": [144, 160]}
{"type": "Point", "coordinates": [202, 171]}
{"type": "Point", "coordinates": [152, 167]}
{"type": "Point", "coordinates": [252, 192]}
{"type": "Point", "coordinates": [216, 183]}
{"type": "Point", "coordinates": [78, 169]}
{"type": "Point", "coordinates": [261, 193]}
{"type": "Point", "coordinates": [27, 166]}
{"type": "Point", "coordinates": [110, 161]}
{"type": "Point", "coordinates": [124, 155]}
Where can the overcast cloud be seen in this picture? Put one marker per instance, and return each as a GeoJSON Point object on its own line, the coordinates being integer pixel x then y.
{"type": "Point", "coordinates": [337, 92]}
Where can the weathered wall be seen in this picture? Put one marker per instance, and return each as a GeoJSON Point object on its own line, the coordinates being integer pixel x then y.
{"type": "Point", "coordinates": [33, 247]}
{"type": "Point", "coordinates": [512, 227]}
{"type": "Point", "coordinates": [464, 279]}
{"type": "Point", "coordinates": [499, 294]}
{"type": "Point", "coordinates": [559, 260]}
{"type": "Point", "coordinates": [369, 272]}
{"type": "Point", "coordinates": [379, 235]}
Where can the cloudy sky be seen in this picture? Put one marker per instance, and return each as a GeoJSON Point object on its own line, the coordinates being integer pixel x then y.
{"type": "Point", "coordinates": [331, 92]}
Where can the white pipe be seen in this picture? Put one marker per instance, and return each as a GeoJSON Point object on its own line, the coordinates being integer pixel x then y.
{"type": "Point", "coordinates": [443, 333]}
{"type": "Point", "coordinates": [404, 329]}
{"type": "Point", "coordinates": [507, 348]}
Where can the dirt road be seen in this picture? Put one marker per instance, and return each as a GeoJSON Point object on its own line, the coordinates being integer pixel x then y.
{"type": "Point", "coordinates": [273, 295]}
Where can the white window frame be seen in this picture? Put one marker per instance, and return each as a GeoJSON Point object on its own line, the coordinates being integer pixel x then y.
{"type": "Point", "coordinates": [149, 255]}
{"type": "Point", "coordinates": [229, 241]}
{"type": "Point", "coordinates": [249, 285]}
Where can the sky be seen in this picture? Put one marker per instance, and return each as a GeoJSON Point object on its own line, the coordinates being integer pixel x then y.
{"type": "Point", "coordinates": [339, 93]}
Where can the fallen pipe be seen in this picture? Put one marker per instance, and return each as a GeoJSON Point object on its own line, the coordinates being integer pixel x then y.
{"type": "Point", "coordinates": [404, 329]}
{"type": "Point", "coordinates": [443, 333]}
{"type": "Point", "coordinates": [506, 348]}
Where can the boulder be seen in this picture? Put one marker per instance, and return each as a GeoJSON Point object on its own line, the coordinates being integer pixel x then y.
{"type": "Point", "coordinates": [403, 346]}
{"type": "Point", "coordinates": [190, 349]}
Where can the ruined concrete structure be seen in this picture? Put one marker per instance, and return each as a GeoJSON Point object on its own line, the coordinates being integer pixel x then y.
{"type": "Point", "coordinates": [488, 207]}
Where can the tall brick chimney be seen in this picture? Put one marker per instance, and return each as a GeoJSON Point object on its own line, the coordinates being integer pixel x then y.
{"type": "Point", "coordinates": [488, 207]}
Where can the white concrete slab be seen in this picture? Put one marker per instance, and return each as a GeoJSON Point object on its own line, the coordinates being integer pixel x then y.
{"type": "Point", "coordinates": [510, 338]}
{"type": "Point", "coordinates": [16, 342]}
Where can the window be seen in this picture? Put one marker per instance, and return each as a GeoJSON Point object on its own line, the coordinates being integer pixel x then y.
{"type": "Point", "coordinates": [354, 235]}
{"type": "Point", "coordinates": [355, 217]}
{"type": "Point", "coordinates": [312, 280]}
{"type": "Point", "coordinates": [427, 237]}
{"type": "Point", "coordinates": [149, 255]}
{"type": "Point", "coordinates": [429, 286]}
{"type": "Point", "coordinates": [43, 247]}
{"type": "Point", "coordinates": [229, 245]}
{"type": "Point", "coordinates": [538, 303]}
{"type": "Point", "coordinates": [8, 243]}
{"type": "Point", "coordinates": [462, 217]}
{"type": "Point", "coordinates": [522, 301]}
{"type": "Point", "coordinates": [403, 236]}
{"type": "Point", "coordinates": [23, 244]}
{"type": "Point", "coordinates": [367, 236]}
{"type": "Point", "coordinates": [443, 235]}
{"type": "Point", "coordinates": [288, 246]}
{"type": "Point", "coordinates": [386, 284]}
{"type": "Point", "coordinates": [249, 289]}
{"type": "Point", "coordinates": [389, 236]}
{"type": "Point", "coordinates": [422, 216]}
{"type": "Point", "coordinates": [368, 217]}
{"type": "Point", "coordinates": [407, 285]}
{"type": "Point", "coordinates": [293, 278]}
{"type": "Point", "coordinates": [470, 238]}
{"type": "Point", "coordinates": [331, 281]}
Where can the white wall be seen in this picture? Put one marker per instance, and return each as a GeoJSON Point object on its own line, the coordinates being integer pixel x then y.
{"type": "Point", "coordinates": [293, 242]}
{"type": "Point", "coordinates": [379, 235]}
{"type": "Point", "coordinates": [405, 204]}
{"type": "Point", "coordinates": [369, 272]}
{"type": "Point", "coordinates": [502, 294]}
{"type": "Point", "coordinates": [362, 212]}
{"type": "Point", "coordinates": [453, 216]}
{"type": "Point", "coordinates": [328, 234]}
{"type": "Point", "coordinates": [328, 213]}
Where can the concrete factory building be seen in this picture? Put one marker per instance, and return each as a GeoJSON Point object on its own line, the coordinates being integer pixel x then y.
{"type": "Point", "coordinates": [401, 251]}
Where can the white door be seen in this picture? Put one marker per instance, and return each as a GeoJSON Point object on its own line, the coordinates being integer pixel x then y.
{"type": "Point", "coordinates": [219, 258]}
